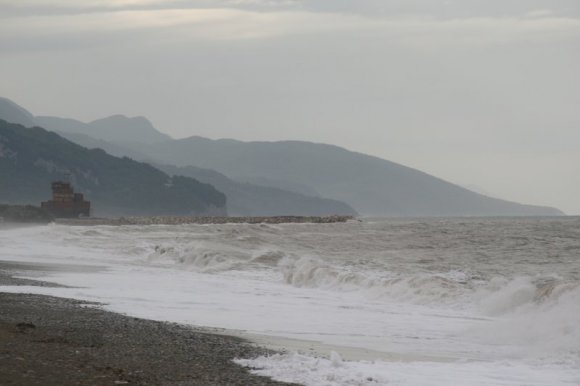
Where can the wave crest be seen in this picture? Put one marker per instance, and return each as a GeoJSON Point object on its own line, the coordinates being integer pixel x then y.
{"type": "Point", "coordinates": [208, 257]}
{"type": "Point", "coordinates": [420, 288]}
{"type": "Point", "coordinates": [538, 316]}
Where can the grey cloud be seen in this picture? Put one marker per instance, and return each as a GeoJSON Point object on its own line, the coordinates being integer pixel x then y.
{"type": "Point", "coordinates": [372, 8]}
{"type": "Point", "coordinates": [446, 8]}
{"type": "Point", "coordinates": [12, 8]}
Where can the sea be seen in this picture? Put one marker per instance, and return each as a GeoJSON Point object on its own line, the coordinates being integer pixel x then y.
{"type": "Point", "coordinates": [439, 301]}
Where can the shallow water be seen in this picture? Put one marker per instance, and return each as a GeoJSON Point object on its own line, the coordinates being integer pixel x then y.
{"type": "Point", "coordinates": [496, 301]}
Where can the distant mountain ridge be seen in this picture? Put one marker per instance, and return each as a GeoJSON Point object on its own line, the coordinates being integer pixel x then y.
{"type": "Point", "coordinates": [371, 185]}
{"type": "Point", "coordinates": [13, 113]}
{"type": "Point", "coordinates": [243, 199]}
{"type": "Point", "coordinates": [116, 128]}
{"type": "Point", "coordinates": [31, 158]}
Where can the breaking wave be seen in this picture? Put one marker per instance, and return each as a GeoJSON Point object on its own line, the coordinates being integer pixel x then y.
{"type": "Point", "coordinates": [492, 297]}
{"type": "Point", "coordinates": [504, 295]}
{"type": "Point", "coordinates": [536, 316]}
{"type": "Point", "coordinates": [209, 257]}
{"type": "Point", "coordinates": [518, 299]}
{"type": "Point", "coordinates": [421, 288]}
{"type": "Point", "coordinates": [529, 316]}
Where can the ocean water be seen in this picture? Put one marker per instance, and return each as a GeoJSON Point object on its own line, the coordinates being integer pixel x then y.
{"type": "Point", "coordinates": [389, 302]}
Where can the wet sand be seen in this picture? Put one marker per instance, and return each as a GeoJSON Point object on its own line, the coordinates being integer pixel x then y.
{"type": "Point", "coordinates": [53, 341]}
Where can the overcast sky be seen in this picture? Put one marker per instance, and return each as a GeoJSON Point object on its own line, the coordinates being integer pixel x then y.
{"type": "Point", "coordinates": [483, 93]}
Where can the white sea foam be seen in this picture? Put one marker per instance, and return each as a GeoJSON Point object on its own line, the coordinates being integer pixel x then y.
{"type": "Point", "coordinates": [316, 371]}
{"type": "Point", "coordinates": [539, 319]}
{"type": "Point", "coordinates": [497, 298]}
{"type": "Point", "coordinates": [421, 288]}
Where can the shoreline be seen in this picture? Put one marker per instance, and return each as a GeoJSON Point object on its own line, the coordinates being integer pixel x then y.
{"type": "Point", "coordinates": [47, 340]}
{"type": "Point", "coordinates": [324, 350]}
{"type": "Point", "coordinates": [24, 273]}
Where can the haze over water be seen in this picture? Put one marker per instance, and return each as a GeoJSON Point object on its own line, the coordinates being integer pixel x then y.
{"type": "Point", "coordinates": [414, 302]}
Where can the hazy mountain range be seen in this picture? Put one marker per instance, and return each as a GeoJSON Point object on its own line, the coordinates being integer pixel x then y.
{"type": "Point", "coordinates": [243, 199]}
{"type": "Point", "coordinates": [373, 186]}
{"type": "Point", "coordinates": [137, 130]}
{"type": "Point", "coordinates": [256, 200]}
{"type": "Point", "coordinates": [285, 176]}
{"type": "Point", "coordinates": [13, 113]}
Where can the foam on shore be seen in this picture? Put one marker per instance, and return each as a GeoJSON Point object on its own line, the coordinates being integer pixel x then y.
{"type": "Point", "coordinates": [492, 301]}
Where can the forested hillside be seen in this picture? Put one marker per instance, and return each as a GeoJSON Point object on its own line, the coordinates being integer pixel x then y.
{"type": "Point", "coordinates": [30, 158]}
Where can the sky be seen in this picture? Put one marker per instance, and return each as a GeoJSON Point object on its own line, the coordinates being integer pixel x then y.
{"type": "Point", "coordinates": [482, 93]}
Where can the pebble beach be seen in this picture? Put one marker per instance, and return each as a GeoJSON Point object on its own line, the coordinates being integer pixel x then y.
{"type": "Point", "coordinates": [55, 341]}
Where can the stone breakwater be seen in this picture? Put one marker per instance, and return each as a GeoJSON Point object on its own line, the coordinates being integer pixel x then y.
{"type": "Point", "coordinates": [178, 220]}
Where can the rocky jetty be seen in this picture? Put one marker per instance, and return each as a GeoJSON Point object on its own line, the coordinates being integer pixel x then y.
{"type": "Point", "coordinates": [178, 220]}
